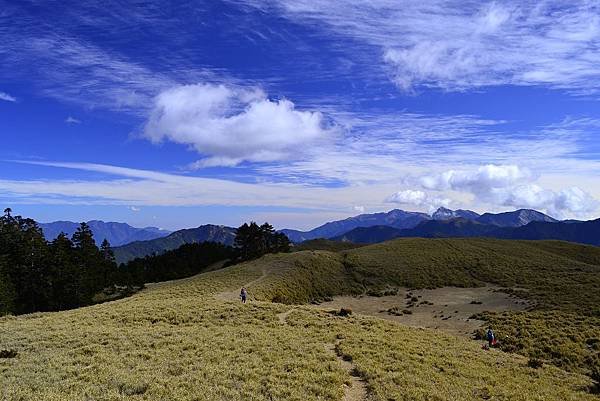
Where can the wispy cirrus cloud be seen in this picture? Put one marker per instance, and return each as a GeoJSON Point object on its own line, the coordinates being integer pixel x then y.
{"type": "Point", "coordinates": [72, 120]}
{"type": "Point", "coordinates": [380, 147]}
{"type": "Point", "coordinates": [7, 98]}
{"type": "Point", "coordinates": [460, 45]}
{"type": "Point", "coordinates": [57, 56]}
{"type": "Point", "coordinates": [127, 186]}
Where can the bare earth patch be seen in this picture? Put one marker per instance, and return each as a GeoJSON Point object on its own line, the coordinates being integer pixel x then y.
{"type": "Point", "coordinates": [448, 308]}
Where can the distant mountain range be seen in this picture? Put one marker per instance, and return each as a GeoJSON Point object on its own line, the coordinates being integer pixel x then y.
{"type": "Point", "coordinates": [116, 233]}
{"type": "Point", "coordinates": [209, 232]}
{"type": "Point", "coordinates": [395, 218]}
{"type": "Point", "coordinates": [585, 232]}
{"type": "Point", "coordinates": [400, 219]}
{"type": "Point", "coordinates": [129, 242]}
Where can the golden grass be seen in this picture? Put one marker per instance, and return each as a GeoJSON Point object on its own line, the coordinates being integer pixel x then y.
{"type": "Point", "coordinates": [179, 341]}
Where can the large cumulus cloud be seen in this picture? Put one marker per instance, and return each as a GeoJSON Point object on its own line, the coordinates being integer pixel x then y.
{"type": "Point", "coordinates": [228, 125]}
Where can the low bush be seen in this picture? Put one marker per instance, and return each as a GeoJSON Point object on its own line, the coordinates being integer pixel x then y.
{"type": "Point", "coordinates": [8, 354]}
{"type": "Point", "coordinates": [535, 363]}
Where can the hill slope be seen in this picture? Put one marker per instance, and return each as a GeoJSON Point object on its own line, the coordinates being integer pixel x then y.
{"type": "Point", "coordinates": [116, 233]}
{"type": "Point", "coordinates": [180, 340]}
{"type": "Point", "coordinates": [209, 232]}
{"type": "Point", "coordinates": [561, 279]}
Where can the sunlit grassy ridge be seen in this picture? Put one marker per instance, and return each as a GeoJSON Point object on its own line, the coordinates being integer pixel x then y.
{"type": "Point", "coordinates": [562, 279]}
{"type": "Point", "coordinates": [180, 341]}
{"type": "Point", "coordinates": [551, 273]}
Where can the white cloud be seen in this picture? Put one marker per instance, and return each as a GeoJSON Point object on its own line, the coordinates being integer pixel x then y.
{"type": "Point", "coordinates": [418, 198]}
{"type": "Point", "coordinates": [457, 45]}
{"type": "Point", "coordinates": [513, 186]}
{"type": "Point", "coordinates": [482, 180]}
{"type": "Point", "coordinates": [360, 209]}
{"type": "Point", "coordinates": [72, 120]}
{"type": "Point", "coordinates": [5, 96]}
{"type": "Point", "coordinates": [134, 209]}
{"type": "Point", "coordinates": [230, 125]}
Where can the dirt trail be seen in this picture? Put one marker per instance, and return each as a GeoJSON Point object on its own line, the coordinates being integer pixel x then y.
{"type": "Point", "coordinates": [235, 295]}
{"type": "Point", "coordinates": [357, 390]}
{"type": "Point", "coordinates": [283, 316]}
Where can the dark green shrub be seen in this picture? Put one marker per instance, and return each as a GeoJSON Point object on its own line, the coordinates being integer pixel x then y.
{"type": "Point", "coordinates": [535, 363]}
{"type": "Point", "coordinates": [8, 354]}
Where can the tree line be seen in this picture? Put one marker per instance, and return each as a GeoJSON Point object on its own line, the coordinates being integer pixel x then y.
{"type": "Point", "coordinates": [251, 242]}
{"type": "Point", "coordinates": [40, 275]}
{"type": "Point", "coordinates": [185, 261]}
{"type": "Point", "coordinates": [37, 275]}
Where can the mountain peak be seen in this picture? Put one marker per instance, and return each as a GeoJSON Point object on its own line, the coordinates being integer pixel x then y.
{"type": "Point", "coordinates": [515, 218]}
{"type": "Point", "coordinates": [446, 214]}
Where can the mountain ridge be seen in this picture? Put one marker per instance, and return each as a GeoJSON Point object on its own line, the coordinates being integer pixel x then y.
{"type": "Point", "coordinates": [208, 232]}
{"type": "Point", "coordinates": [585, 232]}
{"type": "Point", "coordinates": [116, 233]}
{"type": "Point", "coordinates": [401, 219]}
{"type": "Point", "coordinates": [394, 218]}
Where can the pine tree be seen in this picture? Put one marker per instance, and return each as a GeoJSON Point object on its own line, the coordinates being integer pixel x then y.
{"type": "Point", "coordinates": [253, 241]}
{"type": "Point", "coordinates": [66, 285]}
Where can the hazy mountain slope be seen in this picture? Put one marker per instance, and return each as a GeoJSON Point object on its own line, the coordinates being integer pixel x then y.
{"type": "Point", "coordinates": [116, 233]}
{"type": "Point", "coordinates": [428, 229]}
{"type": "Point", "coordinates": [517, 218]}
{"type": "Point", "coordinates": [209, 232]}
{"type": "Point", "coordinates": [394, 218]}
{"type": "Point", "coordinates": [587, 232]}
{"type": "Point", "coordinates": [369, 235]}
{"type": "Point", "coordinates": [584, 232]}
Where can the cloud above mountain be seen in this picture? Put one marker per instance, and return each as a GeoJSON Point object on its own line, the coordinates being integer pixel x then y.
{"type": "Point", "coordinates": [513, 186]}
{"type": "Point", "coordinates": [418, 198]}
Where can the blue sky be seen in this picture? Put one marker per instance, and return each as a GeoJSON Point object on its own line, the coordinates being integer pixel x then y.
{"type": "Point", "coordinates": [297, 112]}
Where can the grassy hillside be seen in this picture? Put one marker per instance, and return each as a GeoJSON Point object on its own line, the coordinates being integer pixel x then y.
{"type": "Point", "coordinates": [562, 280]}
{"type": "Point", "coordinates": [180, 341]}
{"type": "Point", "coordinates": [551, 273]}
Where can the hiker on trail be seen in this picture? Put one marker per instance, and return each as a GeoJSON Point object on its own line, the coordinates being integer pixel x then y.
{"type": "Point", "coordinates": [491, 337]}
{"type": "Point", "coordinates": [243, 294]}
